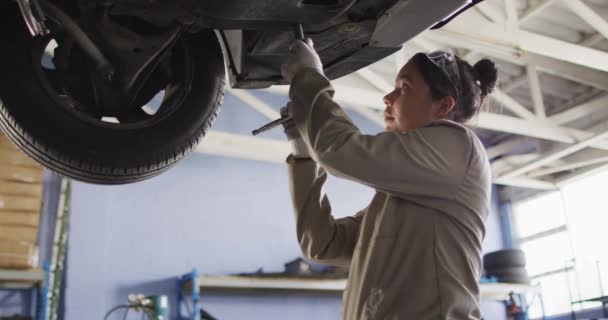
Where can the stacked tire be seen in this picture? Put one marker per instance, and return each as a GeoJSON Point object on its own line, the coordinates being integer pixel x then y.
{"type": "Point", "coordinates": [507, 266]}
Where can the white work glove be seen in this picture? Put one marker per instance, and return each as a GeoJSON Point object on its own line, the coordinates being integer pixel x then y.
{"type": "Point", "coordinates": [302, 55]}
{"type": "Point", "coordinates": [298, 146]}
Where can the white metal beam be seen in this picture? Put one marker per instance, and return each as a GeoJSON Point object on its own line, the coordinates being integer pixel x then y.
{"type": "Point", "coordinates": [515, 83]}
{"type": "Point", "coordinates": [592, 40]}
{"type": "Point", "coordinates": [588, 15]}
{"type": "Point", "coordinates": [533, 11]}
{"type": "Point", "coordinates": [494, 35]}
{"type": "Point", "coordinates": [425, 44]}
{"type": "Point", "coordinates": [511, 162]}
{"type": "Point", "coordinates": [526, 183]}
{"type": "Point", "coordinates": [588, 173]}
{"type": "Point", "coordinates": [569, 166]}
{"type": "Point", "coordinates": [530, 128]}
{"type": "Point", "coordinates": [513, 54]}
{"type": "Point", "coordinates": [254, 102]}
{"type": "Point", "coordinates": [372, 115]}
{"type": "Point", "coordinates": [552, 156]}
{"type": "Point", "coordinates": [399, 59]}
{"type": "Point", "coordinates": [541, 129]}
{"type": "Point", "coordinates": [244, 147]}
{"type": "Point", "coordinates": [375, 80]}
{"type": "Point", "coordinates": [490, 10]}
{"type": "Point", "coordinates": [536, 91]}
{"type": "Point", "coordinates": [564, 51]}
{"type": "Point", "coordinates": [504, 147]}
{"type": "Point", "coordinates": [512, 105]}
{"type": "Point", "coordinates": [580, 111]}
{"type": "Point", "coordinates": [566, 70]}
{"type": "Point", "coordinates": [512, 18]}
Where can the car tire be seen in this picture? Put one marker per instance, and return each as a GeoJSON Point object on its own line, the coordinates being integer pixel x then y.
{"type": "Point", "coordinates": [504, 259]}
{"type": "Point", "coordinates": [94, 153]}
{"type": "Point", "coordinates": [507, 271]}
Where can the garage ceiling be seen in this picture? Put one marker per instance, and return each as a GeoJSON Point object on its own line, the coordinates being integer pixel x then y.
{"type": "Point", "coordinates": [547, 123]}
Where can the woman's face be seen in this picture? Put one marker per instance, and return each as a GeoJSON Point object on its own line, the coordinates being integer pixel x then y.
{"type": "Point", "coordinates": [410, 105]}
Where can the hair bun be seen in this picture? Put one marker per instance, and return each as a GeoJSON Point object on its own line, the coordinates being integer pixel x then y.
{"type": "Point", "coordinates": [487, 75]}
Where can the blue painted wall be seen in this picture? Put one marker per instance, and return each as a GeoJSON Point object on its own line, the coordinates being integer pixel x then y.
{"type": "Point", "coordinates": [217, 214]}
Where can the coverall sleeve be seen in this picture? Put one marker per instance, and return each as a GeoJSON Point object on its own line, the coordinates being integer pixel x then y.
{"type": "Point", "coordinates": [430, 161]}
{"type": "Point", "coordinates": [321, 237]}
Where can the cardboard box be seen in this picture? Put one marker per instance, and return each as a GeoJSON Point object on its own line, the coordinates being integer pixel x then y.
{"type": "Point", "coordinates": [15, 218]}
{"type": "Point", "coordinates": [16, 203]}
{"type": "Point", "coordinates": [18, 255]}
{"type": "Point", "coordinates": [21, 174]}
{"type": "Point", "coordinates": [10, 188]}
{"type": "Point", "coordinates": [14, 157]}
{"type": "Point", "coordinates": [18, 234]}
{"type": "Point", "coordinates": [4, 141]}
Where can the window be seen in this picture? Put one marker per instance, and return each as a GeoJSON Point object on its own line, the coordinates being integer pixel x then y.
{"type": "Point", "coordinates": [539, 214]}
{"type": "Point", "coordinates": [564, 235]}
{"type": "Point", "coordinates": [542, 233]}
{"type": "Point", "coordinates": [548, 253]}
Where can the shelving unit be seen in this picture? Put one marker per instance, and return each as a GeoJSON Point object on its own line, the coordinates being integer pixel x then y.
{"type": "Point", "coordinates": [31, 279]}
{"type": "Point", "coordinates": [189, 291]}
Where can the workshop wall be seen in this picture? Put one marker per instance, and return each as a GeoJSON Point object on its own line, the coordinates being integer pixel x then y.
{"type": "Point", "coordinates": [23, 302]}
{"type": "Point", "coordinates": [219, 215]}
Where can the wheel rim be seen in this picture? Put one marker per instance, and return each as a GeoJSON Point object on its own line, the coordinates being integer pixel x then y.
{"type": "Point", "coordinates": [68, 77]}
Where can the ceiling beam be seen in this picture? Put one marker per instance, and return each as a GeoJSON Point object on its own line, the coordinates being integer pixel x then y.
{"type": "Point", "coordinates": [512, 54]}
{"type": "Point", "coordinates": [561, 182]}
{"type": "Point", "coordinates": [564, 51]}
{"type": "Point", "coordinates": [555, 155]}
{"type": "Point", "coordinates": [526, 183]}
{"type": "Point", "coordinates": [536, 91]}
{"type": "Point", "coordinates": [592, 40]}
{"type": "Point", "coordinates": [515, 83]}
{"type": "Point", "coordinates": [511, 104]}
{"type": "Point", "coordinates": [588, 15]}
{"type": "Point", "coordinates": [530, 128]}
{"type": "Point", "coordinates": [255, 103]}
{"type": "Point", "coordinates": [535, 10]}
{"type": "Point", "coordinates": [495, 34]}
{"type": "Point", "coordinates": [512, 21]}
{"type": "Point", "coordinates": [400, 59]}
{"type": "Point", "coordinates": [375, 80]}
{"type": "Point", "coordinates": [566, 70]}
{"type": "Point", "coordinates": [491, 11]}
{"type": "Point", "coordinates": [244, 147]}
{"type": "Point", "coordinates": [580, 111]}
{"type": "Point", "coordinates": [372, 115]}
{"type": "Point", "coordinates": [505, 146]}
{"type": "Point", "coordinates": [568, 166]}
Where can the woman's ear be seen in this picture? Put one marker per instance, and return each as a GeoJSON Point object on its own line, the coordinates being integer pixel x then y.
{"type": "Point", "coordinates": [446, 105]}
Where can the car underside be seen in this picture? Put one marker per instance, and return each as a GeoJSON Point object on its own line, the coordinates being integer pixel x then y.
{"type": "Point", "coordinates": [69, 65]}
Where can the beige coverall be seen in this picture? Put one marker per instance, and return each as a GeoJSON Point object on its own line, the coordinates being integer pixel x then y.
{"type": "Point", "coordinates": [415, 251]}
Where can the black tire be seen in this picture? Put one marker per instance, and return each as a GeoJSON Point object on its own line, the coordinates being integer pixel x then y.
{"type": "Point", "coordinates": [97, 153]}
{"type": "Point", "coordinates": [507, 272]}
{"type": "Point", "coordinates": [519, 279]}
{"type": "Point", "coordinates": [504, 259]}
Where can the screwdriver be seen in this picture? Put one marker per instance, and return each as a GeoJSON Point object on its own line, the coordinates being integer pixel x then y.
{"type": "Point", "coordinates": [284, 116]}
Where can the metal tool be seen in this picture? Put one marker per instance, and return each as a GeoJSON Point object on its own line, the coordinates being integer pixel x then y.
{"type": "Point", "coordinates": [271, 125]}
{"type": "Point", "coordinates": [299, 32]}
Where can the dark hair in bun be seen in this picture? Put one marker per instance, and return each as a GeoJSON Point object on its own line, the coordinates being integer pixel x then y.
{"type": "Point", "coordinates": [487, 75]}
{"type": "Point", "coordinates": [476, 81]}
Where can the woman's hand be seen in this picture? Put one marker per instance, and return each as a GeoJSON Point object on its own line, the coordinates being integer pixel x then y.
{"type": "Point", "coordinates": [302, 55]}
{"type": "Point", "coordinates": [299, 148]}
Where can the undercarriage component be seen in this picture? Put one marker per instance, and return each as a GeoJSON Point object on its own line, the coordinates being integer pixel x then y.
{"type": "Point", "coordinates": [67, 24]}
{"type": "Point", "coordinates": [33, 17]}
